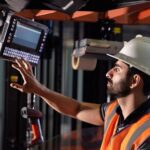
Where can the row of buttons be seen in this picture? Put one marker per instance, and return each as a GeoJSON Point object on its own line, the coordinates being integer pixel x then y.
{"type": "Point", "coordinates": [43, 41]}
{"type": "Point", "coordinates": [11, 30]}
{"type": "Point", "coordinates": [20, 54]}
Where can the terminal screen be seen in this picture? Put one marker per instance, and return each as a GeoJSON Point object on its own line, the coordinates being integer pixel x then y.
{"type": "Point", "coordinates": [26, 36]}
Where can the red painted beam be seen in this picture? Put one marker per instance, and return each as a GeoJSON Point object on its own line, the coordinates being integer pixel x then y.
{"type": "Point", "coordinates": [139, 14]}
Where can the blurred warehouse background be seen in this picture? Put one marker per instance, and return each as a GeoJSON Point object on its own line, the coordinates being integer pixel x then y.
{"type": "Point", "coordinates": [55, 71]}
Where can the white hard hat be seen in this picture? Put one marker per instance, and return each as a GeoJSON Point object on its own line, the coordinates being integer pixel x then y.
{"type": "Point", "coordinates": [136, 53]}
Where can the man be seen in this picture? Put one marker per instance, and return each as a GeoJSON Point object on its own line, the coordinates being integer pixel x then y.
{"type": "Point", "coordinates": [126, 120]}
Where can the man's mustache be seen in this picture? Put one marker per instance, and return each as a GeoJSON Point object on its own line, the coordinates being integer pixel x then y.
{"type": "Point", "coordinates": [109, 80]}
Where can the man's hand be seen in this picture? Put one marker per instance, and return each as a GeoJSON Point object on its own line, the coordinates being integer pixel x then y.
{"type": "Point", "coordinates": [30, 82]}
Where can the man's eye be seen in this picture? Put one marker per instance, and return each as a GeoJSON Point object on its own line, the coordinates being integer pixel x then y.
{"type": "Point", "coordinates": [116, 69]}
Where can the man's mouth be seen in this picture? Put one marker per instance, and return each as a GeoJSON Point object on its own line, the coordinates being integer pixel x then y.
{"type": "Point", "coordinates": [109, 81]}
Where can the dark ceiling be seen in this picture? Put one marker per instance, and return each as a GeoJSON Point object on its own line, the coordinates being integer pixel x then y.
{"type": "Point", "coordinates": [94, 5]}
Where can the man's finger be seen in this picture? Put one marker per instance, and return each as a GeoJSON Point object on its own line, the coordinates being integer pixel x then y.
{"type": "Point", "coordinates": [20, 69]}
{"type": "Point", "coordinates": [17, 86]}
{"type": "Point", "coordinates": [27, 65]}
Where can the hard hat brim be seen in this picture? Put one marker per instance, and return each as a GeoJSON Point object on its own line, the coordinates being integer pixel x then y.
{"type": "Point", "coordinates": [130, 62]}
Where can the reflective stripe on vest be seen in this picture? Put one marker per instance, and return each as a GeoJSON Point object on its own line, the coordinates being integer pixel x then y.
{"type": "Point", "coordinates": [131, 137]}
{"type": "Point", "coordinates": [110, 116]}
{"type": "Point", "coordinates": [137, 133]}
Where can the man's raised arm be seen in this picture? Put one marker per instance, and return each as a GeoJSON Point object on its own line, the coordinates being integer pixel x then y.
{"type": "Point", "coordinates": [86, 112]}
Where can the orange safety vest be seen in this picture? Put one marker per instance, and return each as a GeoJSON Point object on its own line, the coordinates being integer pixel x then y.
{"type": "Point", "coordinates": [130, 138]}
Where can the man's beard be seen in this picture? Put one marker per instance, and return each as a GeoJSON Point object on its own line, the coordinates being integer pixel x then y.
{"type": "Point", "coordinates": [121, 89]}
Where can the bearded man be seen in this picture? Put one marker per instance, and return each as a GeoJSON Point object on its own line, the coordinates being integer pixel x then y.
{"type": "Point", "coordinates": [126, 120]}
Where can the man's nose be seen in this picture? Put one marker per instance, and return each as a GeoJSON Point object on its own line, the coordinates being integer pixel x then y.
{"type": "Point", "coordinates": [109, 74]}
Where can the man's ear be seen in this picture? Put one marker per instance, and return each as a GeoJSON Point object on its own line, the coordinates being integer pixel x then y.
{"type": "Point", "coordinates": [135, 81]}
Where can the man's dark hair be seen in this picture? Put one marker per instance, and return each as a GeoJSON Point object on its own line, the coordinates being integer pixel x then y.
{"type": "Point", "coordinates": [144, 76]}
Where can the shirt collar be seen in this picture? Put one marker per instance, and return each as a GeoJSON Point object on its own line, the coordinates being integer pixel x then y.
{"type": "Point", "coordinates": [136, 114]}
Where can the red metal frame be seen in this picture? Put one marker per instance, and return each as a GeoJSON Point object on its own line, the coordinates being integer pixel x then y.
{"type": "Point", "coordinates": [137, 14]}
